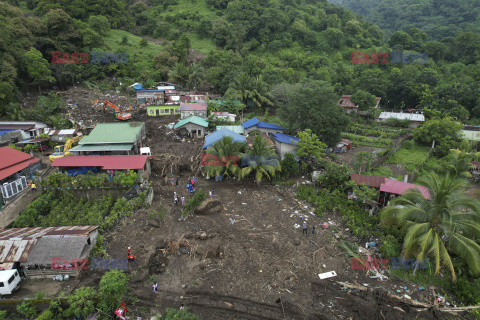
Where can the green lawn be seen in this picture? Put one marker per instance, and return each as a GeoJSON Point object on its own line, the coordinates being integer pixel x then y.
{"type": "Point", "coordinates": [114, 37]}
{"type": "Point", "coordinates": [409, 158]}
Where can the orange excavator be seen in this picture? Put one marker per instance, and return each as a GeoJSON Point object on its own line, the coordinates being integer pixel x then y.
{"type": "Point", "coordinates": [118, 114]}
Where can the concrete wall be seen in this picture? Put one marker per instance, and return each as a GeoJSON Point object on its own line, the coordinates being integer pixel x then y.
{"type": "Point", "coordinates": [165, 110]}
{"type": "Point", "coordinates": [186, 114]}
{"type": "Point", "coordinates": [283, 148]}
{"type": "Point", "coordinates": [10, 137]}
{"type": "Point", "coordinates": [192, 127]}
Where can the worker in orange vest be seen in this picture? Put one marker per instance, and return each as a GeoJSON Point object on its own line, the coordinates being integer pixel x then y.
{"type": "Point", "coordinates": [130, 255]}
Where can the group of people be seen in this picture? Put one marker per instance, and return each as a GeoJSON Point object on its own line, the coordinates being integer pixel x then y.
{"type": "Point", "coordinates": [305, 228]}
{"type": "Point", "coordinates": [176, 199]}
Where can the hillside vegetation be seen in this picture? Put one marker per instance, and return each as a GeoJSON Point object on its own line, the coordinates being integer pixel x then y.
{"type": "Point", "coordinates": [438, 18]}
{"type": "Point", "coordinates": [249, 50]}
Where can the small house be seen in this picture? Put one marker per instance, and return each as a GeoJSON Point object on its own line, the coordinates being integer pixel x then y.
{"type": "Point", "coordinates": [224, 116]}
{"type": "Point", "coordinates": [29, 129]}
{"type": "Point", "coordinates": [343, 146]}
{"type": "Point", "coordinates": [349, 106]}
{"type": "Point", "coordinates": [285, 143]}
{"type": "Point", "coordinates": [265, 127]}
{"type": "Point", "coordinates": [193, 126]}
{"type": "Point", "coordinates": [150, 96]}
{"type": "Point", "coordinates": [198, 109]}
{"type": "Point", "coordinates": [47, 251]}
{"type": "Point", "coordinates": [163, 110]}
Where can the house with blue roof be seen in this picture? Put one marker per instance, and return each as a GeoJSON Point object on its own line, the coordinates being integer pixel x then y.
{"type": "Point", "coordinates": [216, 136]}
{"type": "Point", "coordinates": [265, 127]}
{"type": "Point", "coordinates": [285, 143]}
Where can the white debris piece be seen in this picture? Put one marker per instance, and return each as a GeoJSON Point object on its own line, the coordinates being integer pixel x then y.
{"type": "Point", "coordinates": [327, 275]}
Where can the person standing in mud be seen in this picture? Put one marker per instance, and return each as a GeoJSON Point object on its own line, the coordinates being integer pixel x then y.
{"type": "Point", "coordinates": [176, 183]}
{"type": "Point", "coordinates": [305, 228]}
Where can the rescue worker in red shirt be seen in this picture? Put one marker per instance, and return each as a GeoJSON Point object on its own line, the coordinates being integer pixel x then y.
{"type": "Point", "coordinates": [130, 255]}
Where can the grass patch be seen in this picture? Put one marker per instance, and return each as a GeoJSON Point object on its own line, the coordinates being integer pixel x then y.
{"type": "Point", "coordinates": [359, 140]}
{"type": "Point", "coordinates": [114, 37]}
{"type": "Point", "coordinates": [201, 45]}
{"type": "Point", "coordinates": [381, 171]}
{"type": "Point", "coordinates": [410, 158]}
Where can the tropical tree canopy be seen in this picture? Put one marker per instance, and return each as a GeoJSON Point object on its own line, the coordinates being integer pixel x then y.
{"type": "Point", "coordinates": [448, 225]}
{"type": "Point", "coordinates": [261, 160]}
{"type": "Point", "coordinates": [222, 158]}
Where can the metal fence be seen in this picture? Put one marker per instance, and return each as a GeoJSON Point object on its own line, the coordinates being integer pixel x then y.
{"type": "Point", "coordinates": [11, 189]}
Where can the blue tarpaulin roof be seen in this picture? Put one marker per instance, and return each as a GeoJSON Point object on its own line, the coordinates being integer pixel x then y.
{"type": "Point", "coordinates": [216, 136]}
{"type": "Point", "coordinates": [265, 125]}
{"type": "Point", "coordinates": [5, 131]}
{"type": "Point", "coordinates": [285, 138]}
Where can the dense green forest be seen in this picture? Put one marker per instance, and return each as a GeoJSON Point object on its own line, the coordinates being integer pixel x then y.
{"type": "Point", "coordinates": [253, 50]}
{"type": "Point", "coordinates": [438, 18]}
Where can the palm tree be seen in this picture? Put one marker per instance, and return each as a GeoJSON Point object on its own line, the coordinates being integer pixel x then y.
{"type": "Point", "coordinates": [261, 160]}
{"type": "Point", "coordinates": [251, 90]}
{"type": "Point", "coordinates": [447, 224]}
{"type": "Point", "coordinates": [222, 158]}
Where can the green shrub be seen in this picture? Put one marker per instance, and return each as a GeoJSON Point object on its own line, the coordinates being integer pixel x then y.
{"type": "Point", "coordinates": [39, 295]}
{"type": "Point", "coordinates": [389, 247]}
{"type": "Point", "coordinates": [193, 202]}
{"type": "Point", "coordinates": [158, 214]}
{"type": "Point", "coordinates": [290, 166]}
{"type": "Point", "coordinates": [27, 310]}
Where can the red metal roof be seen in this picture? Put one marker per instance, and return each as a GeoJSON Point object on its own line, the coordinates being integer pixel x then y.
{"type": "Point", "coordinates": [16, 244]}
{"type": "Point", "coordinates": [194, 106]}
{"type": "Point", "coordinates": [400, 187]}
{"type": "Point", "coordinates": [475, 164]}
{"type": "Point", "coordinates": [347, 103]}
{"type": "Point", "coordinates": [371, 181]}
{"type": "Point", "coordinates": [133, 162]}
{"type": "Point", "coordinates": [12, 161]}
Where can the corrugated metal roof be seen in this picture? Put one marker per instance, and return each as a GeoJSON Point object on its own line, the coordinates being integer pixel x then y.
{"type": "Point", "coordinates": [116, 162]}
{"type": "Point", "coordinates": [62, 132]}
{"type": "Point", "coordinates": [12, 161]}
{"type": "Point", "coordinates": [24, 127]}
{"type": "Point", "coordinates": [285, 138]}
{"type": "Point", "coordinates": [371, 181]}
{"type": "Point", "coordinates": [265, 125]}
{"type": "Point", "coordinates": [400, 187]}
{"type": "Point", "coordinates": [109, 133]}
{"type": "Point", "coordinates": [402, 116]}
{"type": "Point", "coordinates": [251, 123]}
{"type": "Point", "coordinates": [34, 233]}
{"type": "Point", "coordinates": [216, 136]}
{"type": "Point", "coordinates": [194, 106]}
{"type": "Point", "coordinates": [16, 244]}
{"type": "Point", "coordinates": [251, 139]}
{"type": "Point", "coordinates": [65, 248]}
{"type": "Point", "coordinates": [193, 119]}
{"type": "Point", "coordinates": [103, 147]}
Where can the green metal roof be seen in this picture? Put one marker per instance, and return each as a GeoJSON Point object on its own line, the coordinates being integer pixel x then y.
{"type": "Point", "coordinates": [103, 147]}
{"type": "Point", "coordinates": [126, 132]}
{"type": "Point", "coordinates": [237, 129]}
{"type": "Point", "coordinates": [193, 119]}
